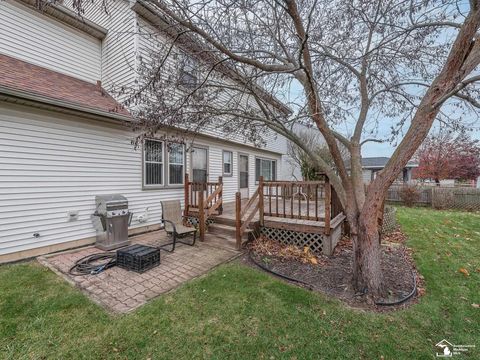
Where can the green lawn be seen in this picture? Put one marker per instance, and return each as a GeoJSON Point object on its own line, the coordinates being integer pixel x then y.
{"type": "Point", "coordinates": [241, 313]}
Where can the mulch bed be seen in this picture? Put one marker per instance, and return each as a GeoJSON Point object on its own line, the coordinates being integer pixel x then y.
{"type": "Point", "coordinates": [332, 275]}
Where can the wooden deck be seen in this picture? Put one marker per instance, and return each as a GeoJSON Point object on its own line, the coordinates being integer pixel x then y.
{"type": "Point", "coordinates": [271, 213]}
{"type": "Point", "coordinates": [306, 213]}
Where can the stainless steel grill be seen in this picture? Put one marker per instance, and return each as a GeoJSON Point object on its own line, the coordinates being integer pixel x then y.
{"type": "Point", "coordinates": [113, 219]}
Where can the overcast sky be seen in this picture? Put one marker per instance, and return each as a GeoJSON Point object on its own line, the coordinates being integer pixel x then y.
{"type": "Point", "coordinates": [295, 95]}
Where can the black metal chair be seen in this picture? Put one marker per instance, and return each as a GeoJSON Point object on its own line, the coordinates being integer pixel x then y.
{"type": "Point", "coordinates": [172, 220]}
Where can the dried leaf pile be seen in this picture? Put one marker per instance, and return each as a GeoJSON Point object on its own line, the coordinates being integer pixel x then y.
{"type": "Point", "coordinates": [396, 236]}
{"type": "Point", "coordinates": [266, 247]}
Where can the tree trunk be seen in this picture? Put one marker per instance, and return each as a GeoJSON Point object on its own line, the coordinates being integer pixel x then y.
{"type": "Point", "coordinates": [367, 256]}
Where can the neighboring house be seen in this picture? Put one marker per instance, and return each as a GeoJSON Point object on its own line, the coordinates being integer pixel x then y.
{"type": "Point", "coordinates": [372, 165]}
{"type": "Point", "coordinates": [65, 139]}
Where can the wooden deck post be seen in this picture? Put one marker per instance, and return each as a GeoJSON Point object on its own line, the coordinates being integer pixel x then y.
{"type": "Point", "coordinates": [238, 220]}
{"type": "Point", "coordinates": [328, 205]}
{"type": "Point", "coordinates": [220, 195]}
{"type": "Point", "coordinates": [186, 204]}
{"type": "Point", "coordinates": [201, 214]}
{"type": "Point", "coordinates": [260, 201]}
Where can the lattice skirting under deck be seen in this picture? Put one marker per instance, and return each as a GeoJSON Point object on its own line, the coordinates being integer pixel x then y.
{"type": "Point", "coordinates": [193, 221]}
{"type": "Point", "coordinates": [289, 237]}
{"type": "Point", "coordinates": [318, 243]}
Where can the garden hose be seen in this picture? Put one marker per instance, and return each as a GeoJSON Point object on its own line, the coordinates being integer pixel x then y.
{"type": "Point", "coordinates": [402, 300]}
{"type": "Point", "coordinates": [93, 264]}
{"type": "Point", "coordinates": [310, 286]}
{"type": "Point", "coordinates": [261, 266]}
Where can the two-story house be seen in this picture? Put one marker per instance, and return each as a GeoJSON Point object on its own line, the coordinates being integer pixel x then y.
{"type": "Point", "coordinates": [64, 138]}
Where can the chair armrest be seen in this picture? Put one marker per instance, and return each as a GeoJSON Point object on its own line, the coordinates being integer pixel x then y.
{"type": "Point", "coordinates": [170, 222]}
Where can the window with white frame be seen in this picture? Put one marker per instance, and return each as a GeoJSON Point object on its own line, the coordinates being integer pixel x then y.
{"type": "Point", "coordinates": [188, 71]}
{"type": "Point", "coordinates": [227, 163]}
{"type": "Point", "coordinates": [266, 168]}
{"type": "Point", "coordinates": [160, 161]}
{"type": "Point", "coordinates": [153, 162]}
{"type": "Point", "coordinates": [176, 164]}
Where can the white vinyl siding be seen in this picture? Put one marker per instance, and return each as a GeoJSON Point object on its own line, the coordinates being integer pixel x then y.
{"type": "Point", "coordinates": [119, 46]}
{"type": "Point", "coordinates": [53, 163]}
{"type": "Point", "coordinates": [130, 38]}
{"type": "Point", "coordinates": [28, 35]}
{"type": "Point", "coordinates": [149, 39]}
{"type": "Point", "coordinates": [367, 176]}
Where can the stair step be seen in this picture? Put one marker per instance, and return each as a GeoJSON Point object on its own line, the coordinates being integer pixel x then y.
{"type": "Point", "coordinates": [224, 220]}
{"type": "Point", "coordinates": [221, 241]}
{"type": "Point", "coordinates": [229, 221]}
{"type": "Point", "coordinates": [216, 228]}
{"type": "Point", "coordinates": [227, 230]}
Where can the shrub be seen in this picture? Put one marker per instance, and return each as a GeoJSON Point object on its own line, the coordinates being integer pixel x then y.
{"type": "Point", "coordinates": [409, 194]}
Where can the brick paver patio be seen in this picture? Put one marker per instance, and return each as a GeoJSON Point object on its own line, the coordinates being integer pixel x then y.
{"type": "Point", "coordinates": [121, 291]}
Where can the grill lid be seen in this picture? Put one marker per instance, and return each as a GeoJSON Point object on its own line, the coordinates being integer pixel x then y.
{"type": "Point", "coordinates": [110, 202]}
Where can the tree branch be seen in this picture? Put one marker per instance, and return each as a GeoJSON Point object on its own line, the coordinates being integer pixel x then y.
{"type": "Point", "coordinates": [219, 46]}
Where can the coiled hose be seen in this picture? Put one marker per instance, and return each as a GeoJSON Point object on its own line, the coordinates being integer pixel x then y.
{"type": "Point", "coordinates": [93, 264]}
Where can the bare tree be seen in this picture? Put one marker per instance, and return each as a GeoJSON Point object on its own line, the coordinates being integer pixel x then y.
{"type": "Point", "coordinates": [360, 65]}
{"type": "Point", "coordinates": [301, 160]}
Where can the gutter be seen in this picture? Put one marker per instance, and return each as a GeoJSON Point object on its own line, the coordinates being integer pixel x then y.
{"type": "Point", "coordinates": [9, 94]}
{"type": "Point", "coordinates": [69, 17]}
{"type": "Point", "coordinates": [408, 166]}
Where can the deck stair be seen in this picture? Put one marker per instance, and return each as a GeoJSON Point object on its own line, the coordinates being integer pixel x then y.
{"type": "Point", "coordinates": [225, 227]}
{"type": "Point", "coordinates": [298, 212]}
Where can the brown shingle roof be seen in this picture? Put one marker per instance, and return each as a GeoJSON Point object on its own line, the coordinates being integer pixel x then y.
{"type": "Point", "coordinates": [36, 80]}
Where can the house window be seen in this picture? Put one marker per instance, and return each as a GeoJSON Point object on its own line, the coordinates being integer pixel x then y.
{"type": "Point", "coordinates": [266, 168]}
{"type": "Point", "coordinates": [176, 164]}
{"type": "Point", "coordinates": [227, 163]}
{"type": "Point", "coordinates": [188, 72]}
{"type": "Point", "coordinates": [156, 165]}
{"type": "Point", "coordinates": [153, 163]}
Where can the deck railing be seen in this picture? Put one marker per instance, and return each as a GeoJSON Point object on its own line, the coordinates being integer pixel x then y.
{"type": "Point", "coordinates": [204, 198]}
{"type": "Point", "coordinates": [295, 199]}
{"type": "Point", "coordinates": [303, 200]}
{"type": "Point", "coordinates": [245, 215]}
{"type": "Point", "coordinates": [212, 193]}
